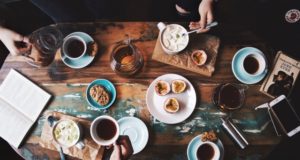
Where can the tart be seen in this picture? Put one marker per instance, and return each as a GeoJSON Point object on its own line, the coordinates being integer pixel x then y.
{"type": "Point", "coordinates": [162, 87]}
{"type": "Point", "coordinates": [199, 57]}
{"type": "Point", "coordinates": [171, 105]}
{"type": "Point", "coordinates": [178, 86]}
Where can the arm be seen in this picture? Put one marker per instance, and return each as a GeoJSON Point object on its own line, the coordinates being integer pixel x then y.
{"type": "Point", "coordinates": [14, 42]}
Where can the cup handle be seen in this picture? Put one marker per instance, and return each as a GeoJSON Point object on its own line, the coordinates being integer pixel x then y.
{"type": "Point", "coordinates": [161, 26]}
{"type": "Point", "coordinates": [80, 145]}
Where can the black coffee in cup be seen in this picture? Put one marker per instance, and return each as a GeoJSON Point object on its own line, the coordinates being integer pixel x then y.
{"type": "Point", "coordinates": [251, 64]}
{"type": "Point", "coordinates": [106, 129]}
{"type": "Point", "coordinates": [205, 152]}
{"type": "Point", "coordinates": [75, 48]}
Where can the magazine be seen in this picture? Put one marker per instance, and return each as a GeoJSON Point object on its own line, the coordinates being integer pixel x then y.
{"type": "Point", "coordinates": [282, 77]}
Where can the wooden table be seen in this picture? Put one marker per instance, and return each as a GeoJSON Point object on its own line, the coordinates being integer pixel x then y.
{"type": "Point", "coordinates": [166, 141]}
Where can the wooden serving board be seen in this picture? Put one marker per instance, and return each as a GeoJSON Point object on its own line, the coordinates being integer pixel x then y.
{"type": "Point", "coordinates": [209, 43]}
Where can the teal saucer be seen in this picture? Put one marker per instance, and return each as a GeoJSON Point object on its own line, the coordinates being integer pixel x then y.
{"type": "Point", "coordinates": [84, 60]}
{"type": "Point", "coordinates": [109, 87]}
{"type": "Point", "coordinates": [195, 142]}
{"type": "Point", "coordinates": [237, 62]}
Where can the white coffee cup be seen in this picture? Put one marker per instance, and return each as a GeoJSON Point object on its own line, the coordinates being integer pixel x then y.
{"type": "Point", "coordinates": [260, 60]}
{"type": "Point", "coordinates": [95, 134]}
{"type": "Point", "coordinates": [67, 43]}
{"type": "Point", "coordinates": [162, 27]}
{"type": "Point", "coordinates": [216, 153]}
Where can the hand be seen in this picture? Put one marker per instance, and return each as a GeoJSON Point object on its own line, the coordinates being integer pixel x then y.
{"type": "Point", "coordinates": [122, 149]}
{"type": "Point", "coordinates": [206, 16]}
{"type": "Point", "coordinates": [14, 42]}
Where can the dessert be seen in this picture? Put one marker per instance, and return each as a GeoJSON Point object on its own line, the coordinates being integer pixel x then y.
{"type": "Point", "coordinates": [66, 132]}
{"type": "Point", "coordinates": [173, 38]}
{"type": "Point", "coordinates": [162, 87]}
{"type": "Point", "coordinates": [209, 136]}
{"type": "Point", "coordinates": [199, 57]}
{"type": "Point", "coordinates": [100, 95]}
{"type": "Point", "coordinates": [171, 105]}
{"type": "Point", "coordinates": [178, 86]}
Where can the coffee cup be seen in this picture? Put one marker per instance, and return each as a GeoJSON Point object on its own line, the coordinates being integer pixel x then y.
{"type": "Point", "coordinates": [208, 150]}
{"type": "Point", "coordinates": [173, 38]}
{"type": "Point", "coordinates": [104, 130]}
{"type": "Point", "coordinates": [68, 133]}
{"type": "Point", "coordinates": [253, 64]}
{"type": "Point", "coordinates": [74, 47]}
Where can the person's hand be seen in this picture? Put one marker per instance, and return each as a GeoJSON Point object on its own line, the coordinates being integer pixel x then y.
{"type": "Point", "coordinates": [206, 16]}
{"type": "Point", "coordinates": [122, 149]}
{"type": "Point", "coordinates": [14, 42]}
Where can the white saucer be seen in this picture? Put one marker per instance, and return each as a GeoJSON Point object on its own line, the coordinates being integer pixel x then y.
{"type": "Point", "coordinates": [84, 60]}
{"type": "Point", "coordinates": [195, 142]}
{"type": "Point", "coordinates": [137, 132]}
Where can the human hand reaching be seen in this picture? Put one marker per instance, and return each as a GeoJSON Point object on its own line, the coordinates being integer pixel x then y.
{"type": "Point", "coordinates": [122, 149]}
{"type": "Point", "coordinates": [14, 42]}
{"type": "Point", "coordinates": [206, 16]}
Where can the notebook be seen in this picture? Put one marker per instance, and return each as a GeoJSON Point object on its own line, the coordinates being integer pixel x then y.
{"type": "Point", "coordinates": [21, 103]}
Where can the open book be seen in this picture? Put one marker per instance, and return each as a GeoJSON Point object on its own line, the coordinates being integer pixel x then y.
{"type": "Point", "coordinates": [21, 103]}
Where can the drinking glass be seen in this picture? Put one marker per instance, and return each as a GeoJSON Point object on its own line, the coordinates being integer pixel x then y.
{"type": "Point", "coordinates": [44, 44]}
{"type": "Point", "coordinates": [229, 96]}
{"type": "Point", "coordinates": [126, 59]}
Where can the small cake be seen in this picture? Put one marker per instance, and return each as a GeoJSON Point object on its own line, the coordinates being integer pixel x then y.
{"type": "Point", "coordinates": [209, 136]}
{"type": "Point", "coordinates": [199, 57]}
{"type": "Point", "coordinates": [178, 86]}
{"type": "Point", "coordinates": [162, 87]}
{"type": "Point", "coordinates": [171, 105]}
{"type": "Point", "coordinates": [100, 95]}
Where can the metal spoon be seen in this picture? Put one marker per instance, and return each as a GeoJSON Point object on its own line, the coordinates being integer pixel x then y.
{"type": "Point", "coordinates": [213, 24]}
{"type": "Point", "coordinates": [51, 121]}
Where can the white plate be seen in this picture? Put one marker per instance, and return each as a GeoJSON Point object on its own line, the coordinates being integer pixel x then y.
{"type": "Point", "coordinates": [137, 132]}
{"type": "Point", "coordinates": [196, 142]}
{"type": "Point", "coordinates": [187, 101]}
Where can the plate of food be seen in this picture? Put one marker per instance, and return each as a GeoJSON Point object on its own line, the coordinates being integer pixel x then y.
{"type": "Point", "coordinates": [101, 93]}
{"type": "Point", "coordinates": [171, 98]}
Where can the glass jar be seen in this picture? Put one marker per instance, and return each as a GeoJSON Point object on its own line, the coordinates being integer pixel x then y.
{"type": "Point", "coordinates": [126, 59]}
{"type": "Point", "coordinates": [44, 44]}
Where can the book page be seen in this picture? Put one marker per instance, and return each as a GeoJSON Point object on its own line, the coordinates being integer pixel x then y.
{"type": "Point", "coordinates": [13, 125]}
{"type": "Point", "coordinates": [23, 95]}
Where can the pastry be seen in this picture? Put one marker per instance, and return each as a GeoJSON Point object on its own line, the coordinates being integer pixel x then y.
{"type": "Point", "coordinates": [100, 95]}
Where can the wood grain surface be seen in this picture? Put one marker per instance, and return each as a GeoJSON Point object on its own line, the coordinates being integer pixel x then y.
{"type": "Point", "coordinates": [166, 141]}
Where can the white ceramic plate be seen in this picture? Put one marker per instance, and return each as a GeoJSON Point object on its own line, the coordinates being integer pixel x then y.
{"type": "Point", "coordinates": [137, 132]}
{"type": "Point", "coordinates": [187, 101]}
{"type": "Point", "coordinates": [195, 142]}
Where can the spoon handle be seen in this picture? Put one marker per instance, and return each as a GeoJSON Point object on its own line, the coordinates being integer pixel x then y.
{"type": "Point", "coordinates": [61, 153]}
{"type": "Point", "coordinates": [207, 27]}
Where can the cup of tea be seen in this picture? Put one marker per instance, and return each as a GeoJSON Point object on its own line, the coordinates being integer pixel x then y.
{"type": "Point", "coordinates": [229, 96]}
{"type": "Point", "coordinates": [104, 130]}
{"type": "Point", "coordinates": [173, 38]}
{"type": "Point", "coordinates": [68, 133]}
{"type": "Point", "coordinates": [208, 151]}
{"type": "Point", "coordinates": [253, 64]}
{"type": "Point", "coordinates": [74, 47]}
{"type": "Point", "coordinates": [44, 45]}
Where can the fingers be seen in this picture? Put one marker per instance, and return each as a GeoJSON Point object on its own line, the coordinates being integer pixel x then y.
{"type": "Point", "coordinates": [126, 147]}
{"type": "Point", "coordinates": [116, 154]}
{"type": "Point", "coordinates": [210, 17]}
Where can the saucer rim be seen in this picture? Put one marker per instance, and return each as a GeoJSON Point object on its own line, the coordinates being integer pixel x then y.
{"type": "Point", "coordinates": [86, 57]}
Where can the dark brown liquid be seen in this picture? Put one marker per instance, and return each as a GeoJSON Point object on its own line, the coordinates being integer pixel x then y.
{"type": "Point", "coordinates": [251, 64]}
{"type": "Point", "coordinates": [205, 152]}
{"type": "Point", "coordinates": [106, 129]}
{"type": "Point", "coordinates": [75, 48]}
{"type": "Point", "coordinates": [229, 96]}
